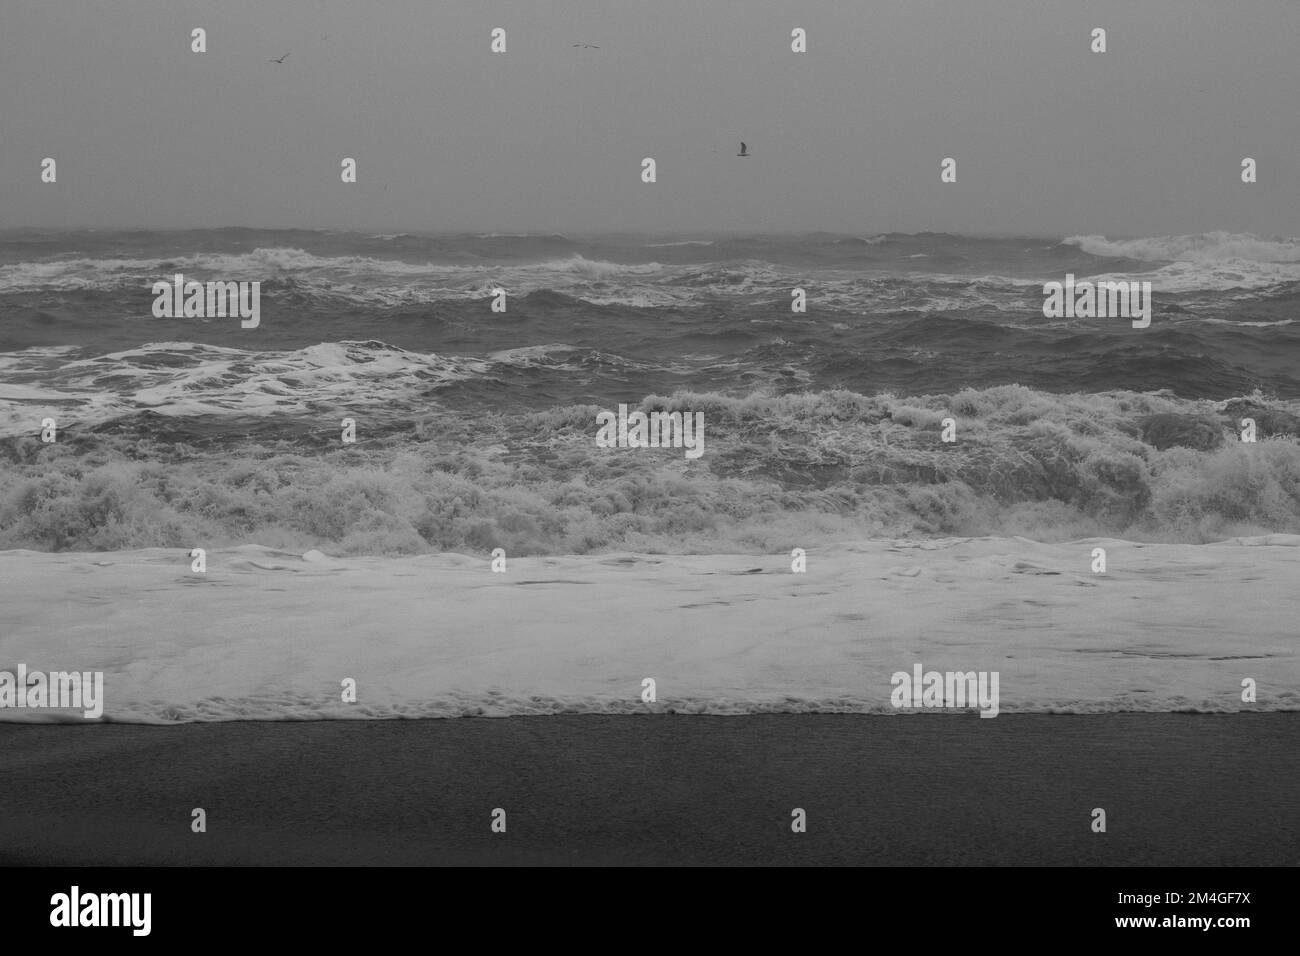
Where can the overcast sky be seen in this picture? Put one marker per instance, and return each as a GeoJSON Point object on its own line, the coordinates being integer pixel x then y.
{"type": "Point", "coordinates": [1050, 139]}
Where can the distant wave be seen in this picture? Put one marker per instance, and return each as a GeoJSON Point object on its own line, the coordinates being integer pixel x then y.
{"type": "Point", "coordinates": [840, 279]}
{"type": "Point", "coordinates": [1211, 261]}
{"type": "Point", "coordinates": [84, 273]}
{"type": "Point", "coordinates": [521, 235]}
{"type": "Point", "coordinates": [1200, 246]}
{"type": "Point", "coordinates": [365, 281]}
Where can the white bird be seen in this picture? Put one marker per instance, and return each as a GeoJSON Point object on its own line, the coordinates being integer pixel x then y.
{"type": "Point", "coordinates": [281, 60]}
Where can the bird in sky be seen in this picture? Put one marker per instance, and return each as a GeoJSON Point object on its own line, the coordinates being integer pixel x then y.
{"type": "Point", "coordinates": [744, 150]}
{"type": "Point", "coordinates": [281, 60]}
{"type": "Point", "coordinates": [587, 46]}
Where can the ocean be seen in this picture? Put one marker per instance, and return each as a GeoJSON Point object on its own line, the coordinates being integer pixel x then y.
{"type": "Point", "coordinates": [1096, 533]}
{"type": "Point", "coordinates": [475, 428]}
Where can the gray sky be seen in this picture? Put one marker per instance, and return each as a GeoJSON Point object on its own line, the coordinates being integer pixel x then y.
{"type": "Point", "coordinates": [1050, 139]}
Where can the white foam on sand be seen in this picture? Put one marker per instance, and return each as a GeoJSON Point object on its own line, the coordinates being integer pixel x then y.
{"type": "Point", "coordinates": [266, 635]}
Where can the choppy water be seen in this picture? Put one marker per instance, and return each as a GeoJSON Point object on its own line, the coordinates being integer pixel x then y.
{"type": "Point", "coordinates": [476, 429]}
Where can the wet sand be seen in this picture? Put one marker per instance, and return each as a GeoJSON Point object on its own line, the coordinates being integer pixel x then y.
{"type": "Point", "coordinates": [1178, 790]}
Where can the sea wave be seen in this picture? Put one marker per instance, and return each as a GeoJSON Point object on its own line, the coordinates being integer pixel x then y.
{"type": "Point", "coordinates": [1211, 261]}
{"type": "Point", "coordinates": [366, 283]}
{"type": "Point", "coordinates": [1179, 264]}
{"type": "Point", "coordinates": [264, 263]}
{"type": "Point", "coordinates": [1197, 246]}
{"type": "Point", "coordinates": [814, 466]}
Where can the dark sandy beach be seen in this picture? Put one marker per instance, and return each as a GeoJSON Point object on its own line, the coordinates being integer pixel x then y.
{"type": "Point", "coordinates": [1178, 790]}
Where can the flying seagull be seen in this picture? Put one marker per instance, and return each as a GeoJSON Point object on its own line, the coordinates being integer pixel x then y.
{"type": "Point", "coordinates": [587, 46]}
{"type": "Point", "coordinates": [281, 60]}
{"type": "Point", "coordinates": [744, 150]}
